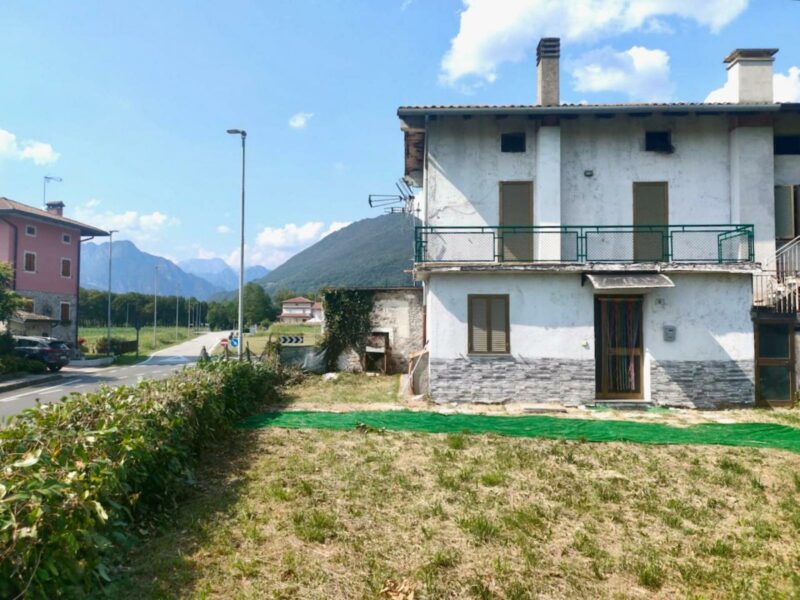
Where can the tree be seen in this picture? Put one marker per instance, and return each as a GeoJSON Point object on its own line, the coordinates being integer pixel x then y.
{"type": "Point", "coordinates": [257, 304]}
{"type": "Point", "coordinates": [222, 315]}
{"type": "Point", "coordinates": [10, 301]}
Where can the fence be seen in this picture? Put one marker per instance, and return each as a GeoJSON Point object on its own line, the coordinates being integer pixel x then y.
{"type": "Point", "coordinates": [585, 243]}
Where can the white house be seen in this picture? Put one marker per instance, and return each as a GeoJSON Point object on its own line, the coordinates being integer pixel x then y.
{"type": "Point", "coordinates": [599, 253]}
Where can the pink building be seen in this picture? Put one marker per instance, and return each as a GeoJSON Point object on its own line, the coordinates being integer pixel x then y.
{"type": "Point", "coordinates": [44, 248]}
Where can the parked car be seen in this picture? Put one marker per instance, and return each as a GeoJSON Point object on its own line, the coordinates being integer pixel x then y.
{"type": "Point", "coordinates": [52, 352]}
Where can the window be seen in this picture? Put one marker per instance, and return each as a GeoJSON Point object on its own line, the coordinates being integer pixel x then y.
{"type": "Point", "coordinates": [66, 267]}
{"type": "Point", "coordinates": [787, 212]}
{"type": "Point", "coordinates": [512, 142]}
{"type": "Point", "coordinates": [30, 230]}
{"type": "Point", "coordinates": [658, 141]}
{"type": "Point", "coordinates": [66, 238]}
{"type": "Point", "coordinates": [30, 262]}
{"type": "Point", "coordinates": [65, 311]}
{"type": "Point", "coordinates": [488, 324]}
{"type": "Point", "coordinates": [787, 144]}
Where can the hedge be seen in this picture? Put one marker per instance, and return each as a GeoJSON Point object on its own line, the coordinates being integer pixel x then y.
{"type": "Point", "coordinates": [79, 474]}
{"type": "Point", "coordinates": [10, 363]}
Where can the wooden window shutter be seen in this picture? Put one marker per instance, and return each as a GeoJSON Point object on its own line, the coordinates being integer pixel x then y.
{"type": "Point", "coordinates": [479, 325]}
{"type": "Point", "coordinates": [499, 324]}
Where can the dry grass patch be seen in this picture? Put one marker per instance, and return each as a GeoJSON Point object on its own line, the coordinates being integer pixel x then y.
{"type": "Point", "coordinates": [347, 390]}
{"type": "Point", "coordinates": [363, 514]}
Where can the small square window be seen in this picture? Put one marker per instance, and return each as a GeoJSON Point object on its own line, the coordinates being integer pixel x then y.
{"type": "Point", "coordinates": [66, 267]}
{"type": "Point", "coordinates": [787, 144]}
{"type": "Point", "coordinates": [658, 141]}
{"type": "Point", "coordinates": [512, 142]}
{"type": "Point", "coordinates": [30, 230]}
{"type": "Point", "coordinates": [66, 238]}
{"type": "Point", "coordinates": [30, 262]}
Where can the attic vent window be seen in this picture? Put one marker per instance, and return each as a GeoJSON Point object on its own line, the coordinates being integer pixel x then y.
{"type": "Point", "coordinates": [787, 144]}
{"type": "Point", "coordinates": [658, 141]}
{"type": "Point", "coordinates": [512, 142]}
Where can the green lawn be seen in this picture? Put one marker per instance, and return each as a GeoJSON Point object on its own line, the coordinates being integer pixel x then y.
{"type": "Point", "coordinates": [370, 513]}
{"type": "Point", "coordinates": [165, 336]}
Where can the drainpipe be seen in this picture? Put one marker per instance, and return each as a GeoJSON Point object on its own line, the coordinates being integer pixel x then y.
{"type": "Point", "coordinates": [14, 251]}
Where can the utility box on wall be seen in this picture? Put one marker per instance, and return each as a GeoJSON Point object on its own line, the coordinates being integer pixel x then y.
{"type": "Point", "coordinates": [670, 333]}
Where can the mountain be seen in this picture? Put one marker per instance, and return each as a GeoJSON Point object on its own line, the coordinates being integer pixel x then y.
{"type": "Point", "coordinates": [133, 271]}
{"type": "Point", "coordinates": [217, 272]}
{"type": "Point", "coordinates": [371, 252]}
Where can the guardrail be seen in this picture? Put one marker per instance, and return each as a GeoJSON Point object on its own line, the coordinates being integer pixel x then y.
{"type": "Point", "coordinates": [585, 243]}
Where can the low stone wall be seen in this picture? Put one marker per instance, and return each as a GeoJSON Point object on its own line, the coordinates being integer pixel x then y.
{"type": "Point", "coordinates": [500, 379]}
{"type": "Point", "coordinates": [703, 384]}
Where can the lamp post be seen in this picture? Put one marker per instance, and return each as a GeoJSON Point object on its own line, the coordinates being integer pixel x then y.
{"type": "Point", "coordinates": [243, 134]}
{"type": "Point", "coordinates": [45, 180]}
{"type": "Point", "coordinates": [155, 305]}
{"type": "Point", "coordinates": [177, 304]}
{"type": "Point", "coordinates": [110, 262]}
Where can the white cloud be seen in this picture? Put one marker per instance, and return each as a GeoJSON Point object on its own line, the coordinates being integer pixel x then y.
{"type": "Point", "coordinates": [300, 120]}
{"type": "Point", "coordinates": [223, 229]}
{"type": "Point", "coordinates": [290, 235]}
{"type": "Point", "coordinates": [132, 225]}
{"type": "Point", "coordinates": [335, 226]}
{"type": "Point", "coordinates": [786, 88]}
{"type": "Point", "coordinates": [641, 73]}
{"type": "Point", "coordinates": [38, 152]}
{"type": "Point", "coordinates": [493, 32]}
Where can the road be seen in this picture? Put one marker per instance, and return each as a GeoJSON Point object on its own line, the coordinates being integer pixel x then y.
{"type": "Point", "coordinates": [74, 380]}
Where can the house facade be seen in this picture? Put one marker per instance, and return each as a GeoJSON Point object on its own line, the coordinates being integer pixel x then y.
{"type": "Point", "coordinates": [601, 253]}
{"type": "Point", "coordinates": [43, 246]}
{"type": "Point", "coordinates": [296, 310]}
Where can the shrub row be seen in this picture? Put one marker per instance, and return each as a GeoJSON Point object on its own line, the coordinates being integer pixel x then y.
{"type": "Point", "coordinates": [77, 475]}
{"type": "Point", "coordinates": [10, 363]}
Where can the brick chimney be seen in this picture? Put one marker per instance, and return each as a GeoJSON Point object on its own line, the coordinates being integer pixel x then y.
{"type": "Point", "coordinates": [56, 208]}
{"type": "Point", "coordinates": [750, 74]}
{"type": "Point", "coordinates": [547, 81]}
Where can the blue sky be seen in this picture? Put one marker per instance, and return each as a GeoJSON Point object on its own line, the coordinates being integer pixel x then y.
{"type": "Point", "coordinates": [129, 102]}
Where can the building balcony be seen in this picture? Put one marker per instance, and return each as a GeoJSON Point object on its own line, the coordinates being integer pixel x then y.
{"type": "Point", "coordinates": [584, 244]}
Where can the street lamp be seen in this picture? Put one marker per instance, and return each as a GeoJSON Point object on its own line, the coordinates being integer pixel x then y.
{"type": "Point", "coordinates": [45, 180]}
{"type": "Point", "coordinates": [110, 255]}
{"type": "Point", "coordinates": [155, 304]}
{"type": "Point", "coordinates": [243, 134]}
{"type": "Point", "coordinates": [177, 304]}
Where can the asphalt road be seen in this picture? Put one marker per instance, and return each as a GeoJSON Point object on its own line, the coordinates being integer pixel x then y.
{"type": "Point", "coordinates": [74, 380]}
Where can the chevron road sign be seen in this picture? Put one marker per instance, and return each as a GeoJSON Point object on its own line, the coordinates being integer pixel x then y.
{"type": "Point", "coordinates": [291, 340]}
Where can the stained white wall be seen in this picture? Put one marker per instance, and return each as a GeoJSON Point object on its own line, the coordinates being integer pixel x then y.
{"type": "Point", "coordinates": [787, 170]}
{"type": "Point", "coordinates": [552, 316]}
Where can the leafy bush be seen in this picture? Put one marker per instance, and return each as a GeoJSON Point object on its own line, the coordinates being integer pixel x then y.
{"type": "Point", "coordinates": [347, 322]}
{"type": "Point", "coordinates": [118, 346]}
{"type": "Point", "coordinates": [11, 363]}
{"type": "Point", "coordinates": [78, 474]}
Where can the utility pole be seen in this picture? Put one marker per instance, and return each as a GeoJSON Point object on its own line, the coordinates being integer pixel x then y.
{"type": "Point", "coordinates": [243, 134]}
{"type": "Point", "coordinates": [110, 260]}
{"type": "Point", "coordinates": [177, 304]}
{"type": "Point", "coordinates": [155, 305]}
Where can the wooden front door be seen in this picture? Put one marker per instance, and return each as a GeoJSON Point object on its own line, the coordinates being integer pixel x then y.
{"type": "Point", "coordinates": [619, 346]}
{"type": "Point", "coordinates": [650, 212]}
{"type": "Point", "coordinates": [516, 210]}
{"type": "Point", "coordinates": [774, 363]}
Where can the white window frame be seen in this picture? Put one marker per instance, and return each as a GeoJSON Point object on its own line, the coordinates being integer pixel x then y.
{"type": "Point", "coordinates": [29, 226]}
{"type": "Point", "coordinates": [61, 311]}
{"type": "Point", "coordinates": [61, 267]}
{"type": "Point", "coordinates": [25, 261]}
{"type": "Point", "coordinates": [66, 238]}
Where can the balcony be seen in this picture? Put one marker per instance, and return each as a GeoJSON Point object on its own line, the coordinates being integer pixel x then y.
{"type": "Point", "coordinates": [579, 244]}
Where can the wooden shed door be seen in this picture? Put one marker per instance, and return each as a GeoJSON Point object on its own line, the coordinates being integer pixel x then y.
{"type": "Point", "coordinates": [516, 209]}
{"type": "Point", "coordinates": [650, 209]}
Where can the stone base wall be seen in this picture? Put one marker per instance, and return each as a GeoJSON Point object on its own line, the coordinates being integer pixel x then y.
{"type": "Point", "coordinates": [500, 379]}
{"type": "Point", "coordinates": [703, 384]}
{"type": "Point", "coordinates": [49, 305]}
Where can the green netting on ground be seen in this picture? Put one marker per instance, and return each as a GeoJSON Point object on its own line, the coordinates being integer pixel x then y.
{"type": "Point", "coordinates": [756, 435]}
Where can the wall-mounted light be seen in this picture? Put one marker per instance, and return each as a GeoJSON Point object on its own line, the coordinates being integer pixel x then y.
{"type": "Point", "coordinates": [588, 173]}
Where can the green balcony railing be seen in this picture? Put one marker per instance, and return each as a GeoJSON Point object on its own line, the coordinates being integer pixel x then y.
{"type": "Point", "coordinates": [585, 243]}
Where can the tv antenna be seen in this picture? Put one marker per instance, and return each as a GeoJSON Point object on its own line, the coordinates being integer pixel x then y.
{"type": "Point", "coordinates": [402, 202]}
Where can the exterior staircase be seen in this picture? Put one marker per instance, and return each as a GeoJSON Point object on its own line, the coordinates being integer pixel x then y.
{"type": "Point", "coordinates": [776, 288]}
